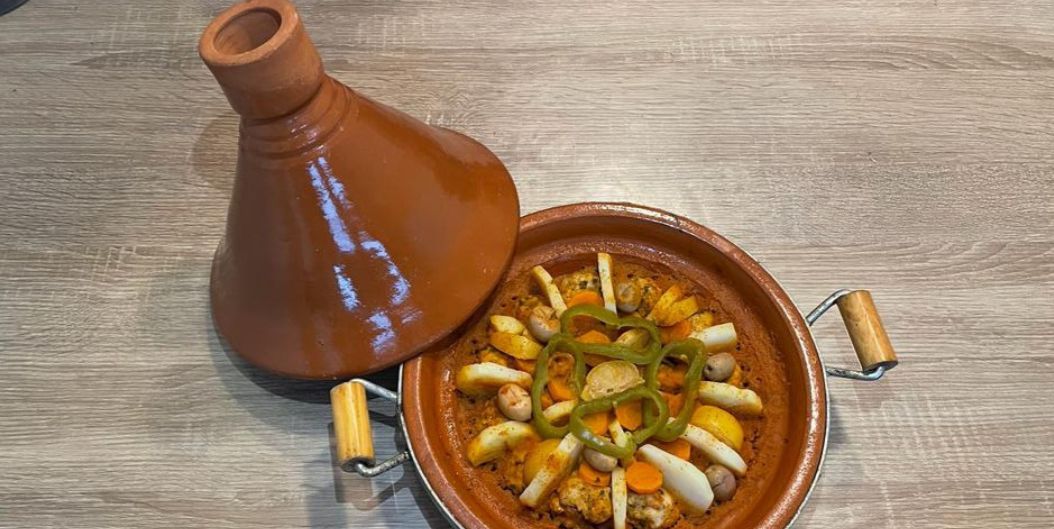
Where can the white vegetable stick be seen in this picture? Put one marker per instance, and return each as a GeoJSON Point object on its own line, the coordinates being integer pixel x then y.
{"type": "Point", "coordinates": [607, 288]}
{"type": "Point", "coordinates": [731, 398]}
{"type": "Point", "coordinates": [717, 338]}
{"type": "Point", "coordinates": [619, 497]}
{"type": "Point", "coordinates": [493, 441]}
{"type": "Point", "coordinates": [620, 438]}
{"type": "Point", "coordinates": [545, 282]}
{"type": "Point", "coordinates": [559, 411]}
{"type": "Point", "coordinates": [715, 450]}
{"type": "Point", "coordinates": [506, 324]}
{"type": "Point", "coordinates": [556, 466]}
{"type": "Point", "coordinates": [486, 377]}
{"type": "Point", "coordinates": [680, 478]}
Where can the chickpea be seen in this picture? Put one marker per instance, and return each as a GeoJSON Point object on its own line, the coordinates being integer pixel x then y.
{"type": "Point", "coordinates": [627, 296]}
{"type": "Point", "coordinates": [599, 461]}
{"type": "Point", "coordinates": [542, 323]}
{"type": "Point", "coordinates": [719, 367]}
{"type": "Point", "coordinates": [514, 402]}
{"type": "Point", "coordinates": [721, 481]}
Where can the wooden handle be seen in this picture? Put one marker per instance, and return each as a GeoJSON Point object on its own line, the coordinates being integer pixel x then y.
{"type": "Point", "coordinates": [865, 329]}
{"type": "Point", "coordinates": [351, 424]}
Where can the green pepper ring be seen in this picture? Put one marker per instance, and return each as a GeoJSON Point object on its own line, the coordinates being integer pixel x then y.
{"type": "Point", "coordinates": [656, 416]}
{"type": "Point", "coordinates": [600, 444]}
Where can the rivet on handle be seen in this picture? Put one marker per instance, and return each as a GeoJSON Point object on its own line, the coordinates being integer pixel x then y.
{"type": "Point", "coordinates": [351, 426]}
{"type": "Point", "coordinates": [865, 329]}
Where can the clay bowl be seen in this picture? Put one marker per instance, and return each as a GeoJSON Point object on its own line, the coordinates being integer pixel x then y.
{"type": "Point", "coordinates": [785, 459]}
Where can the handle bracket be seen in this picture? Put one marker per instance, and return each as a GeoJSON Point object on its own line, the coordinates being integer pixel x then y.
{"type": "Point", "coordinates": [865, 329]}
{"type": "Point", "coordinates": [351, 425]}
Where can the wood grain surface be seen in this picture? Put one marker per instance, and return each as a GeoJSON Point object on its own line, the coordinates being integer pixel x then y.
{"type": "Point", "coordinates": [905, 146]}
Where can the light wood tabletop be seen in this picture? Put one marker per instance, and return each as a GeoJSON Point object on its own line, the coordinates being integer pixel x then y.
{"type": "Point", "coordinates": [905, 146]}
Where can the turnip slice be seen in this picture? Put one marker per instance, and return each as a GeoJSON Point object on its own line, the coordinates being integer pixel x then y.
{"type": "Point", "coordinates": [680, 478]}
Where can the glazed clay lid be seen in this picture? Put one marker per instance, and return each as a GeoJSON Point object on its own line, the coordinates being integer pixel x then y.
{"type": "Point", "coordinates": [357, 236]}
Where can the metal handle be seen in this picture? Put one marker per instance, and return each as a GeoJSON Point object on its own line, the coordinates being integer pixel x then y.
{"type": "Point", "coordinates": [351, 426]}
{"type": "Point", "coordinates": [865, 329]}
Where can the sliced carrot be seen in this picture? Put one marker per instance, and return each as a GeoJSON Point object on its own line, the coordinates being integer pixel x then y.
{"type": "Point", "coordinates": [585, 323]}
{"type": "Point", "coordinates": [671, 378]}
{"type": "Point", "coordinates": [586, 297]}
{"type": "Point", "coordinates": [597, 422]}
{"type": "Point", "coordinates": [677, 331]}
{"type": "Point", "coordinates": [560, 390]}
{"type": "Point", "coordinates": [560, 367]}
{"type": "Point", "coordinates": [524, 365]}
{"type": "Point", "coordinates": [547, 400]}
{"type": "Point", "coordinates": [678, 447]}
{"type": "Point", "coordinates": [643, 478]}
{"type": "Point", "coordinates": [629, 414]}
{"type": "Point", "coordinates": [675, 401]}
{"type": "Point", "coordinates": [593, 476]}
{"type": "Point", "coordinates": [594, 336]}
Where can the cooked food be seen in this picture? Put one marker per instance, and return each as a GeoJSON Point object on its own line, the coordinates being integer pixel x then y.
{"type": "Point", "coordinates": [610, 397]}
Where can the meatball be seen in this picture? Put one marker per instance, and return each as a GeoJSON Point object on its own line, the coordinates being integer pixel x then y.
{"type": "Point", "coordinates": [652, 511]}
{"type": "Point", "coordinates": [592, 503]}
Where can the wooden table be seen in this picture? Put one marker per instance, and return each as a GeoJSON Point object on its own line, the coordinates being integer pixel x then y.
{"type": "Point", "coordinates": [902, 146]}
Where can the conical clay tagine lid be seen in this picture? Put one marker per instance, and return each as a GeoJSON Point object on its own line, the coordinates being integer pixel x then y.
{"type": "Point", "coordinates": [356, 235]}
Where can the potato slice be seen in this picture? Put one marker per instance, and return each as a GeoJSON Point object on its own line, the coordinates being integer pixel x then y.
{"type": "Point", "coordinates": [607, 288]}
{"type": "Point", "coordinates": [516, 345]}
{"type": "Point", "coordinates": [545, 282]}
{"type": "Point", "coordinates": [493, 441]}
{"type": "Point", "coordinates": [701, 321]}
{"type": "Point", "coordinates": [680, 478]}
{"type": "Point", "coordinates": [557, 466]}
{"type": "Point", "coordinates": [619, 497]}
{"type": "Point", "coordinates": [560, 411]}
{"type": "Point", "coordinates": [668, 298]}
{"type": "Point", "coordinates": [485, 378]}
{"type": "Point", "coordinates": [714, 449]}
{"type": "Point", "coordinates": [731, 398]}
{"type": "Point", "coordinates": [717, 338]}
{"type": "Point", "coordinates": [611, 377]}
{"type": "Point", "coordinates": [678, 312]}
{"type": "Point", "coordinates": [506, 324]}
{"type": "Point", "coordinates": [635, 338]}
{"type": "Point", "coordinates": [720, 423]}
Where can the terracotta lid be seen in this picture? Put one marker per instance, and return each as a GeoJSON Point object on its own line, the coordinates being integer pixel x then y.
{"type": "Point", "coordinates": [357, 236]}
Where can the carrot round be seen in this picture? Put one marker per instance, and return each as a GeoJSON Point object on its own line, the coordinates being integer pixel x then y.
{"type": "Point", "coordinates": [560, 367]}
{"type": "Point", "coordinates": [675, 401]}
{"type": "Point", "coordinates": [629, 414]}
{"type": "Point", "coordinates": [677, 331]}
{"type": "Point", "coordinates": [593, 336]}
{"type": "Point", "coordinates": [678, 447]}
{"type": "Point", "coordinates": [584, 323]}
{"type": "Point", "coordinates": [559, 390]}
{"type": "Point", "coordinates": [586, 297]}
{"type": "Point", "coordinates": [671, 378]}
{"type": "Point", "coordinates": [524, 365]}
{"type": "Point", "coordinates": [593, 476]}
{"type": "Point", "coordinates": [643, 478]}
{"type": "Point", "coordinates": [597, 422]}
